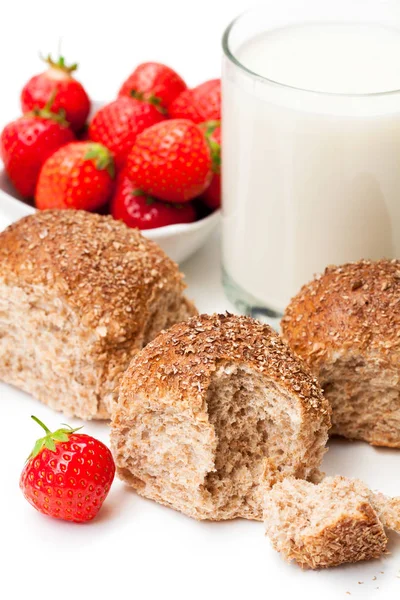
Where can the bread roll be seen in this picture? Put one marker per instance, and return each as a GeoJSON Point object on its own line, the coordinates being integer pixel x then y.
{"type": "Point", "coordinates": [213, 410]}
{"type": "Point", "coordinates": [79, 295]}
{"type": "Point", "coordinates": [338, 521]}
{"type": "Point", "coordinates": [346, 325]}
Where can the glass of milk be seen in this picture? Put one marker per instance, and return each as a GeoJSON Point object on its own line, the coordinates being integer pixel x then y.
{"type": "Point", "coordinates": [311, 144]}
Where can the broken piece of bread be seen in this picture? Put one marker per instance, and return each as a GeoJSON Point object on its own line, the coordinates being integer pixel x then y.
{"type": "Point", "coordinates": [345, 324]}
{"type": "Point", "coordinates": [213, 410]}
{"type": "Point", "coordinates": [79, 295]}
{"type": "Point", "coordinates": [337, 521]}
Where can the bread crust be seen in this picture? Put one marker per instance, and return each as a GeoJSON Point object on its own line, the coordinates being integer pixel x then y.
{"type": "Point", "coordinates": [106, 271]}
{"type": "Point", "coordinates": [183, 359]}
{"type": "Point", "coordinates": [112, 278]}
{"type": "Point", "coordinates": [350, 307]}
{"type": "Point", "coordinates": [172, 376]}
{"type": "Point", "coordinates": [350, 315]}
{"type": "Point", "coordinates": [352, 538]}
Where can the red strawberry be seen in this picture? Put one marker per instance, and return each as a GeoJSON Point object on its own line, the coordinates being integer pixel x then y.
{"type": "Point", "coordinates": [171, 161]}
{"type": "Point", "coordinates": [202, 103]}
{"type": "Point", "coordinates": [79, 175]}
{"type": "Point", "coordinates": [67, 475]}
{"type": "Point", "coordinates": [144, 212]}
{"type": "Point", "coordinates": [66, 92]}
{"type": "Point", "coordinates": [212, 195]}
{"type": "Point", "coordinates": [153, 81]}
{"type": "Point", "coordinates": [26, 143]}
{"type": "Point", "coordinates": [116, 125]}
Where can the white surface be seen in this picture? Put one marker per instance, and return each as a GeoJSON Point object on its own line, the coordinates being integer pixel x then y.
{"type": "Point", "coordinates": [136, 549]}
{"type": "Point", "coordinates": [319, 182]}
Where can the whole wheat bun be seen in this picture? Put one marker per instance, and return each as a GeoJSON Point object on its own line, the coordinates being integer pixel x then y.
{"type": "Point", "coordinates": [346, 325]}
{"type": "Point", "coordinates": [337, 521]}
{"type": "Point", "coordinates": [80, 294]}
{"type": "Point", "coordinates": [211, 412]}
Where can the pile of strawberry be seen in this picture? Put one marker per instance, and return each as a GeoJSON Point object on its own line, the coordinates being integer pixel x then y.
{"type": "Point", "coordinates": [151, 157]}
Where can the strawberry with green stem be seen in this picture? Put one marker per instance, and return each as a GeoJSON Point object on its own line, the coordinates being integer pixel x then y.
{"type": "Point", "coordinates": [212, 195]}
{"type": "Point", "coordinates": [26, 143]}
{"type": "Point", "coordinates": [79, 175]}
{"type": "Point", "coordinates": [68, 474]}
{"type": "Point", "coordinates": [154, 82]}
{"type": "Point", "coordinates": [58, 81]}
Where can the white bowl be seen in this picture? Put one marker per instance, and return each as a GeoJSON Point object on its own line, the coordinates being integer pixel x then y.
{"type": "Point", "coordinates": [178, 241]}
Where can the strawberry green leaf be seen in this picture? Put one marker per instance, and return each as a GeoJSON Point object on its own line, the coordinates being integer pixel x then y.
{"type": "Point", "coordinates": [50, 444]}
{"type": "Point", "coordinates": [101, 157]}
{"type": "Point", "coordinates": [71, 428]}
{"type": "Point", "coordinates": [211, 126]}
{"type": "Point", "coordinates": [60, 436]}
{"type": "Point", "coordinates": [59, 64]}
{"type": "Point", "coordinates": [37, 448]}
{"type": "Point", "coordinates": [157, 102]}
{"type": "Point", "coordinates": [47, 113]}
{"type": "Point", "coordinates": [215, 149]}
{"type": "Point", "coordinates": [51, 438]}
{"type": "Point", "coordinates": [151, 99]}
{"type": "Point", "coordinates": [138, 193]}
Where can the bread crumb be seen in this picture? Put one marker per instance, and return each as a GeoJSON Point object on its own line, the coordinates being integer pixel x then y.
{"type": "Point", "coordinates": [102, 331]}
{"type": "Point", "coordinates": [299, 513]}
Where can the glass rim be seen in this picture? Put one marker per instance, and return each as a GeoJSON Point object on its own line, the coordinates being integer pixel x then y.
{"type": "Point", "coordinates": [231, 56]}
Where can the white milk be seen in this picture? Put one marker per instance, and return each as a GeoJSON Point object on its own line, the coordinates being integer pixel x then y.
{"type": "Point", "coordinates": [310, 179]}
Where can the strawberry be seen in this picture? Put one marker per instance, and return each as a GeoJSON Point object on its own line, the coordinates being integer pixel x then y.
{"type": "Point", "coordinates": [116, 125]}
{"type": "Point", "coordinates": [171, 161]}
{"type": "Point", "coordinates": [67, 475]}
{"type": "Point", "coordinates": [57, 83]}
{"type": "Point", "coordinates": [153, 81]}
{"type": "Point", "coordinates": [79, 175]}
{"type": "Point", "coordinates": [212, 195]}
{"type": "Point", "coordinates": [136, 209]}
{"type": "Point", "coordinates": [26, 143]}
{"type": "Point", "coordinates": [202, 103]}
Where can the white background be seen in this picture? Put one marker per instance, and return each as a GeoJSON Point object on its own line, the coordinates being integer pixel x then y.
{"type": "Point", "coordinates": [137, 549]}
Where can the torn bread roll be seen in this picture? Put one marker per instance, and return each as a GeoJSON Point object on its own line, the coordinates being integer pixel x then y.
{"type": "Point", "coordinates": [80, 293]}
{"type": "Point", "coordinates": [211, 412]}
{"type": "Point", "coordinates": [337, 521]}
{"type": "Point", "coordinates": [346, 325]}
